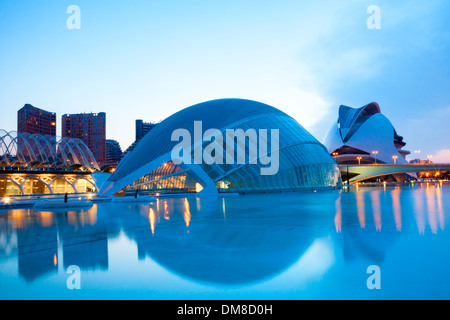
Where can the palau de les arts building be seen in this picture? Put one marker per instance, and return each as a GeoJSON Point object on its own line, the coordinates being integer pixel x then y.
{"type": "Point", "coordinates": [365, 133]}
{"type": "Point", "coordinates": [365, 136]}
{"type": "Point", "coordinates": [303, 162]}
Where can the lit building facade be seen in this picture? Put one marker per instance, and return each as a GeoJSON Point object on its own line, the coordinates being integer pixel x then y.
{"type": "Point", "coordinates": [365, 136]}
{"type": "Point", "coordinates": [91, 129]}
{"type": "Point", "coordinates": [304, 162]}
{"type": "Point", "coordinates": [35, 164]}
{"type": "Point", "coordinates": [34, 120]}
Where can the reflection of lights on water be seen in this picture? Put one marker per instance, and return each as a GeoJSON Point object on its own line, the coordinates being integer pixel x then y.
{"type": "Point", "coordinates": [7, 200]}
{"type": "Point", "coordinates": [166, 210]}
{"type": "Point", "coordinates": [55, 260]}
{"type": "Point", "coordinates": [338, 215]}
{"type": "Point", "coordinates": [361, 210]}
{"type": "Point", "coordinates": [418, 211]}
{"type": "Point", "coordinates": [46, 218]}
{"type": "Point", "coordinates": [375, 196]}
{"type": "Point", "coordinates": [397, 209]}
{"type": "Point", "coordinates": [187, 213]}
{"type": "Point", "coordinates": [427, 205]}
{"type": "Point", "coordinates": [429, 193]}
{"type": "Point", "coordinates": [151, 218]}
{"type": "Point", "coordinates": [439, 207]}
{"type": "Point", "coordinates": [224, 208]}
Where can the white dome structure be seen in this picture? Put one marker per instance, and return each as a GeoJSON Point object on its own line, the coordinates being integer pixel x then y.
{"type": "Point", "coordinates": [364, 135]}
{"type": "Point", "coordinates": [303, 161]}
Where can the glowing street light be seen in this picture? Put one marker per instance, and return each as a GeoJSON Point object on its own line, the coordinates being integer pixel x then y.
{"type": "Point", "coordinates": [334, 154]}
{"type": "Point", "coordinates": [375, 152]}
{"type": "Point", "coordinates": [359, 160]}
{"type": "Point", "coordinates": [395, 159]}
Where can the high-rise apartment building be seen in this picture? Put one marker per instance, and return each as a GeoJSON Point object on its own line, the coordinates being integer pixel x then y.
{"type": "Point", "coordinates": [113, 152]}
{"type": "Point", "coordinates": [91, 129]}
{"type": "Point", "coordinates": [34, 120]}
{"type": "Point", "coordinates": [141, 130]}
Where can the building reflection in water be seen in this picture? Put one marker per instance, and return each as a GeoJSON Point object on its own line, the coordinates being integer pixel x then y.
{"type": "Point", "coordinates": [431, 208]}
{"type": "Point", "coordinates": [151, 218]}
{"type": "Point", "coordinates": [225, 240]}
{"type": "Point", "coordinates": [376, 209]}
{"type": "Point", "coordinates": [423, 203]}
{"type": "Point", "coordinates": [84, 239]}
{"type": "Point", "coordinates": [338, 216]}
{"type": "Point", "coordinates": [360, 205]}
{"type": "Point", "coordinates": [40, 234]}
{"type": "Point", "coordinates": [427, 207]}
{"type": "Point", "coordinates": [228, 240]}
{"type": "Point", "coordinates": [396, 208]}
{"type": "Point", "coordinates": [440, 208]}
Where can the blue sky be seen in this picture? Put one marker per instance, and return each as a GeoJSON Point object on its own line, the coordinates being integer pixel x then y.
{"type": "Point", "coordinates": [148, 59]}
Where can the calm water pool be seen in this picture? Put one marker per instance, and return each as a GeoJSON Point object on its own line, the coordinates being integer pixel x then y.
{"type": "Point", "coordinates": [314, 245]}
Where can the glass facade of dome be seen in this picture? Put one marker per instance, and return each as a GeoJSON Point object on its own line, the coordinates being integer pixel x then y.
{"type": "Point", "coordinates": [304, 162]}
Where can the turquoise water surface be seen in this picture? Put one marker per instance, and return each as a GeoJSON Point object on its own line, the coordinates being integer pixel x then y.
{"type": "Point", "coordinates": [309, 245]}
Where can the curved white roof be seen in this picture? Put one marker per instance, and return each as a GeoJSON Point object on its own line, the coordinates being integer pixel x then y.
{"type": "Point", "coordinates": [154, 150]}
{"type": "Point", "coordinates": [365, 129]}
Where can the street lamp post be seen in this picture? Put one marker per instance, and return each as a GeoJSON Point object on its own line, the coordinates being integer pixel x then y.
{"type": "Point", "coordinates": [359, 160]}
{"type": "Point", "coordinates": [375, 155]}
{"type": "Point", "coordinates": [417, 152]}
{"type": "Point", "coordinates": [395, 159]}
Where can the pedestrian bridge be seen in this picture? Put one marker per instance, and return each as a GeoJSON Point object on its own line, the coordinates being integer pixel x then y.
{"type": "Point", "coordinates": [357, 173]}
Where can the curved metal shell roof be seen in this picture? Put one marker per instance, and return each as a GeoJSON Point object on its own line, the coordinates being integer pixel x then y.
{"type": "Point", "coordinates": [36, 150]}
{"type": "Point", "coordinates": [216, 114]}
{"type": "Point", "coordinates": [304, 161]}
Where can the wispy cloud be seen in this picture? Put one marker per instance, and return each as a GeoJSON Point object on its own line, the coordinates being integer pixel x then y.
{"type": "Point", "coordinates": [442, 156]}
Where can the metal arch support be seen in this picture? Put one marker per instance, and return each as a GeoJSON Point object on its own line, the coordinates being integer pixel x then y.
{"type": "Point", "coordinates": [38, 145]}
{"type": "Point", "coordinates": [11, 144]}
{"type": "Point", "coordinates": [7, 150]}
{"type": "Point", "coordinates": [30, 153]}
{"type": "Point", "coordinates": [209, 187]}
{"type": "Point", "coordinates": [56, 178]}
{"type": "Point", "coordinates": [83, 178]}
{"type": "Point", "coordinates": [87, 153]}
{"type": "Point", "coordinates": [17, 184]}
{"type": "Point", "coordinates": [81, 155]}
{"type": "Point", "coordinates": [62, 142]}
{"type": "Point", "coordinates": [48, 146]}
{"type": "Point", "coordinates": [38, 179]}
